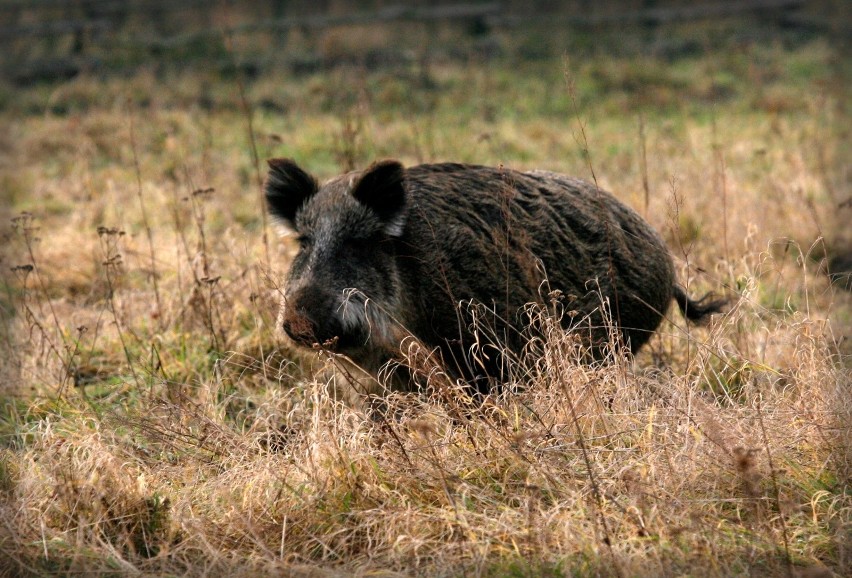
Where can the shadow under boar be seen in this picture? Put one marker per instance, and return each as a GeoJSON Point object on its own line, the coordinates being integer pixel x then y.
{"type": "Point", "coordinates": [393, 251]}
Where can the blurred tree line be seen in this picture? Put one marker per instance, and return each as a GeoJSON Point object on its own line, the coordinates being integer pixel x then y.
{"type": "Point", "coordinates": [48, 40]}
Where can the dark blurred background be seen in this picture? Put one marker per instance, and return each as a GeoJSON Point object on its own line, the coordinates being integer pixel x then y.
{"type": "Point", "coordinates": [54, 40]}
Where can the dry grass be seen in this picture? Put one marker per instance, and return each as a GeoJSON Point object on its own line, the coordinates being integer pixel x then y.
{"type": "Point", "coordinates": [154, 423]}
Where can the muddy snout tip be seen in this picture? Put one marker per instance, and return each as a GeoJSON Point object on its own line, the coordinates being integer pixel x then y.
{"type": "Point", "coordinates": [300, 328]}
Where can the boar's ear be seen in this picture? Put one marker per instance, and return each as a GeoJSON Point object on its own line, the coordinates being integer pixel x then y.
{"type": "Point", "coordinates": [382, 189]}
{"type": "Point", "coordinates": [287, 188]}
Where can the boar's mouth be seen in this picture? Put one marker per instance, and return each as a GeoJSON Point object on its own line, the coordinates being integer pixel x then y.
{"type": "Point", "coordinates": [306, 332]}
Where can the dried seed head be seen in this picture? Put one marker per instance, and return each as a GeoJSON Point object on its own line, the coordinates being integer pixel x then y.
{"type": "Point", "coordinates": [745, 463]}
{"type": "Point", "coordinates": [744, 459]}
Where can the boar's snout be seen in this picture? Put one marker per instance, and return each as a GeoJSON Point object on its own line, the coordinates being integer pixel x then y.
{"type": "Point", "coordinates": [305, 317]}
{"type": "Point", "coordinates": [311, 316]}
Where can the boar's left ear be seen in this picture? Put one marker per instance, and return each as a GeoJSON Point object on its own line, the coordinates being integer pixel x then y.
{"type": "Point", "coordinates": [382, 189]}
{"type": "Point", "coordinates": [287, 188]}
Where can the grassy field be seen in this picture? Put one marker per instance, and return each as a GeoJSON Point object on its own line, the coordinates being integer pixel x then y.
{"type": "Point", "coordinates": [152, 420]}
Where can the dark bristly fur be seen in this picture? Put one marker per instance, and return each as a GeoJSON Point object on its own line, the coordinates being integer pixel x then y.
{"type": "Point", "coordinates": [392, 251]}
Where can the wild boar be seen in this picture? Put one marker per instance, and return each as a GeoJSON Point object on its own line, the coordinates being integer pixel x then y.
{"type": "Point", "coordinates": [391, 251]}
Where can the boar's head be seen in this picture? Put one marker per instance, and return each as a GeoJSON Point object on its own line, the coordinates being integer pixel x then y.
{"type": "Point", "coordinates": [342, 290]}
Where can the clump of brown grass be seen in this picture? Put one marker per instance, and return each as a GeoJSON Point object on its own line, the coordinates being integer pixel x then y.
{"type": "Point", "coordinates": [608, 467]}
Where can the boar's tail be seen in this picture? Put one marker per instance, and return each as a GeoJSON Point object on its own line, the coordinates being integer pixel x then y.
{"type": "Point", "coordinates": [700, 309]}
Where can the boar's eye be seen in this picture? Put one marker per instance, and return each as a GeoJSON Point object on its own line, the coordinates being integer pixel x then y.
{"type": "Point", "coordinates": [305, 241]}
{"type": "Point", "coordinates": [355, 245]}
